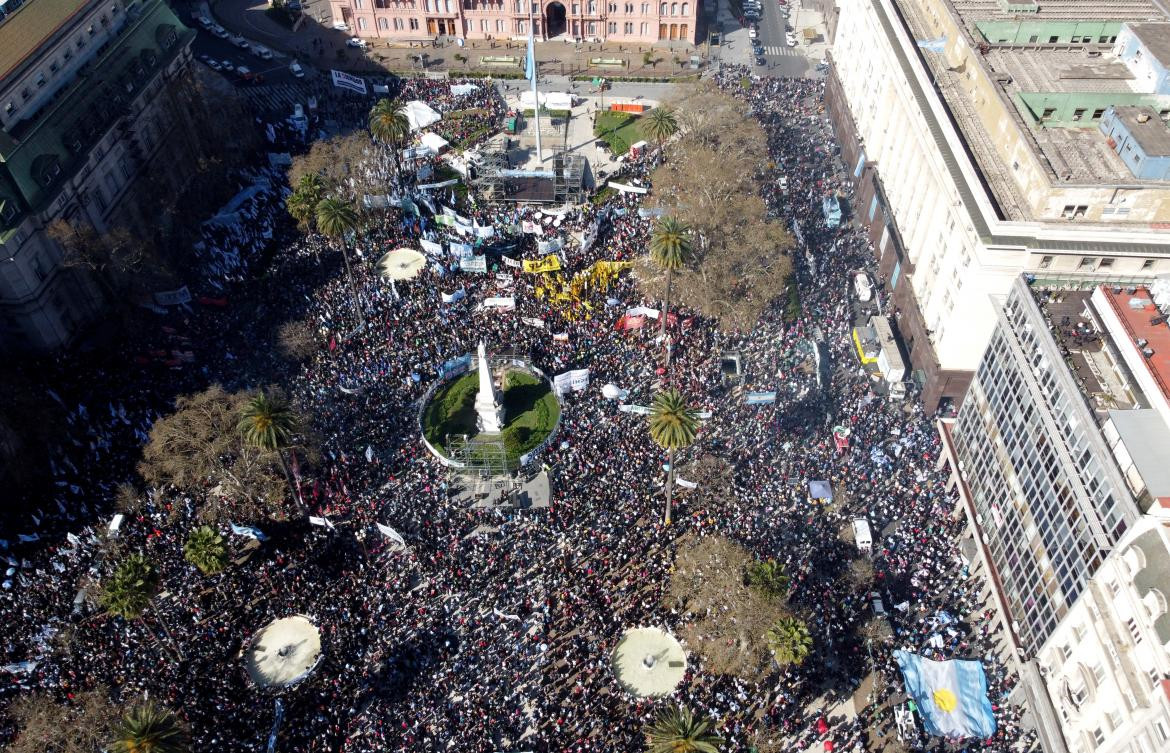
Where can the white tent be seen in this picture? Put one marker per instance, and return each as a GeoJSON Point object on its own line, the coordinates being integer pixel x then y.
{"type": "Point", "coordinates": [420, 115]}
{"type": "Point", "coordinates": [434, 142]}
{"type": "Point", "coordinates": [548, 100]}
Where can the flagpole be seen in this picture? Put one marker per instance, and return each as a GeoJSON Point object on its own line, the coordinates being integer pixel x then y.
{"type": "Point", "coordinates": [532, 72]}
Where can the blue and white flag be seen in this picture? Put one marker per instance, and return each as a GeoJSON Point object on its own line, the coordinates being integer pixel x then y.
{"type": "Point", "coordinates": [530, 61]}
{"type": "Point", "coordinates": [951, 695]}
{"type": "Point", "coordinates": [252, 533]}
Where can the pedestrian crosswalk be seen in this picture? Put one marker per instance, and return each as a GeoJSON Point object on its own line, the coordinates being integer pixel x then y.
{"type": "Point", "coordinates": [275, 97]}
{"type": "Point", "coordinates": [780, 51]}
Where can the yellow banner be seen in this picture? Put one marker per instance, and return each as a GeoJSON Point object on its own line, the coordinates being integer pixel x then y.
{"type": "Point", "coordinates": [549, 263]}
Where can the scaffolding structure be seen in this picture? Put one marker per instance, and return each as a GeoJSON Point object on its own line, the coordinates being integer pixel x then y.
{"type": "Point", "coordinates": [480, 456]}
{"type": "Point", "coordinates": [560, 180]}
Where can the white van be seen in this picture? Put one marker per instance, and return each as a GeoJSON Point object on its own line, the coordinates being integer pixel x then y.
{"type": "Point", "coordinates": [862, 286]}
{"type": "Point", "coordinates": [862, 536]}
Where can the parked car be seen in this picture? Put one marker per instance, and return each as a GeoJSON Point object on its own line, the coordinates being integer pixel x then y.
{"type": "Point", "coordinates": [340, 26]}
{"type": "Point", "coordinates": [296, 70]}
{"type": "Point", "coordinates": [752, 33]}
{"type": "Point", "coordinates": [356, 42]}
{"type": "Point", "coordinates": [261, 52]}
{"type": "Point", "coordinates": [204, 21]}
{"type": "Point", "coordinates": [760, 60]}
{"type": "Point", "coordinates": [218, 31]}
{"type": "Point", "coordinates": [238, 41]}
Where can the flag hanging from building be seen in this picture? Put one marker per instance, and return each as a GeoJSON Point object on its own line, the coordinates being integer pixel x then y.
{"type": "Point", "coordinates": [951, 695]}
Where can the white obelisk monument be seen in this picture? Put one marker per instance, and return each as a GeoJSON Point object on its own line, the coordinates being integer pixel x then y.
{"type": "Point", "coordinates": [487, 405]}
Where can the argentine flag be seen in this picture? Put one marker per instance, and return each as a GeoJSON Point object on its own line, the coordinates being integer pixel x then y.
{"type": "Point", "coordinates": [530, 61]}
{"type": "Point", "coordinates": [951, 695]}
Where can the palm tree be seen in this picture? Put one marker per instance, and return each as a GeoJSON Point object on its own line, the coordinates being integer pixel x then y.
{"type": "Point", "coordinates": [677, 730]}
{"type": "Point", "coordinates": [670, 249]}
{"type": "Point", "coordinates": [302, 202]}
{"type": "Point", "coordinates": [150, 729]}
{"type": "Point", "coordinates": [268, 423]}
{"type": "Point", "coordinates": [768, 576]}
{"type": "Point", "coordinates": [205, 550]}
{"type": "Point", "coordinates": [390, 125]}
{"type": "Point", "coordinates": [672, 425]}
{"type": "Point", "coordinates": [336, 219]}
{"type": "Point", "coordinates": [789, 641]}
{"type": "Point", "coordinates": [659, 125]}
{"type": "Point", "coordinates": [128, 591]}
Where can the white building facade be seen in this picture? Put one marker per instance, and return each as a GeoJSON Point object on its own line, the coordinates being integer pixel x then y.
{"type": "Point", "coordinates": [947, 248]}
{"type": "Point", "coordinates": [1107, 666]}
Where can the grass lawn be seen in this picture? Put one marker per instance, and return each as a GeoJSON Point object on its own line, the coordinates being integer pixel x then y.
{"type": "Point", "coordinates": [531, 411]}
{"type": "Point", "coordinates": [618, 129]}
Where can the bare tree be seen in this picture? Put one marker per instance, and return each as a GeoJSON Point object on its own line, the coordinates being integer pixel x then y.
{"type": "Point", "coordinates": [198, 448]}
{"type": "Point", "coordinates": [343, 162]}
{"type": "Point", "coordinates": [709, 182]}
{"type": "Point", "coordinates": [297, 339]}
{"type": "Point", "coordinates": [727, 620]}
{"type": "Point", "coordinates": [83, 725]}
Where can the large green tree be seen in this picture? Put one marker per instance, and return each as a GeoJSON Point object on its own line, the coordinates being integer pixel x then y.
{"type": "Point", "coordinates": [337, 219]}
{"type": "Point", "coordinates": [268, 423]}
{"type": "Point", "coordinates": [789, 641]}
{"type": "Point", "coordinates": [677, 730]}
{"type": "Point", "coordinates": [150, 729]}
{"type": "Point", "coordinates": [673, 424]}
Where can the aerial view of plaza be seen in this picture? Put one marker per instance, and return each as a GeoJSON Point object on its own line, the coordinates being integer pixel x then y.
{"type": "Point", "coordinates": [724, 376]}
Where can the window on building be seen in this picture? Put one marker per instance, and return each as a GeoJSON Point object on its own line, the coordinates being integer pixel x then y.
{"type": "Point", "coordinates": [674, 9]}
{"type": "Point", "coordinates": [662, 9]}
{"type": "Point", "coordinates": [1048, 113]}
{"type": "Point", "coordinates": [686, 9]}
{"type": "Point", "coordinates": [645, 29]}
{"type": "Point", "coordinates": [1148, 264]}
{"type": "Point", "coordinates": [361, 24]}
{"type": "Point", "coordinates": [592, 28]}
{"type": "Point", "coordinates": [1045, 262]}
{"type": "Point", "coordinates": [613, 7]}
{"type": "Point", "coordinates": [1079, 113]}
{"type": "Point", "coordinates": [1098, 737]}
{"type": "Point", "coordinates": [645, 9]}
{"type": "Point", "coordinates": [414, 24]}
{"type": "Point", "coordinates": [499, 26]}
{"type": "Point", "coordinates": [1134, 631]}
{"type": "Point", "coordinates": [628, 28]}
{"type": "Point", "coordinates": [576, 9]}
{"type": "Point", "coordinates": [1162, 729]}
{"type": "Point", "coordinates": [592, 9]}
{"type": "Point", "coordinates": [383, 24]}
{"type": "Point", "coordinates": [1033, 39]}
{"type": "Point", "coordinates": [1088, 262]}
{"type": "Point", "coordinates": [611, 28]}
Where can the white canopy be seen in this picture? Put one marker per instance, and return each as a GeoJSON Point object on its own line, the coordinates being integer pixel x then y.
{"type": "Point", "coordinates": [548, 100]}
{"type": "Point", "coordinates": [434, 142]}
{"type": "Point", "coordinates": [420, 115]}
{"type": "Point", "coordinates": [459, 90]}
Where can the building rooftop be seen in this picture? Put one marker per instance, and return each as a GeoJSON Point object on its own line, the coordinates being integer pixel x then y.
{"type": "Point", "coordinates": [1033, 74]}
{"type": "Point", "coordinates": [1145, 435]}
{"type": "Point", "coordinates": [1156, 38]}
{"type": "Point", "coordinates": [1147, 129]}
{"type": "Point", "coordinates": [1144, 322]}
{"type": "Point", "coordinates": [30, 25]}
{"type": "Point", "coordinates": [1083, 349]}
{"type": "Point", "coordinates": [1057, 10]}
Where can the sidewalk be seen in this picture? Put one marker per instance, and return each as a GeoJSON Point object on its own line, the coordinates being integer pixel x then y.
{"type": "Point", "coordinates": [321, 46]}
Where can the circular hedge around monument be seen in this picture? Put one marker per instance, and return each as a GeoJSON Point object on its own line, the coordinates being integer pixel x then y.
{"type": "Point", "coordinates": [531, 412]}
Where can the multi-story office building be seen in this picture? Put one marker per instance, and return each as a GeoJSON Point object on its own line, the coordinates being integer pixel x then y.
{"type": "Point", "coordinates": [992, 137]}
{"type": "Point", "coordinates": [1060, 451]}
{"type": "Point", "coordinates": [87, 106]}
{"type": "Point", "coordinates": [639, 22]}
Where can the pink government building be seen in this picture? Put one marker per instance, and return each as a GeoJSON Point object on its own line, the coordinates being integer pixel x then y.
{"type": "Point", "coordinates": [639, 22]}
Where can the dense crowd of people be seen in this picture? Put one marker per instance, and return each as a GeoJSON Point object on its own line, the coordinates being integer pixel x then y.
{"type": "Point", "coordinates": [492, 630]}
